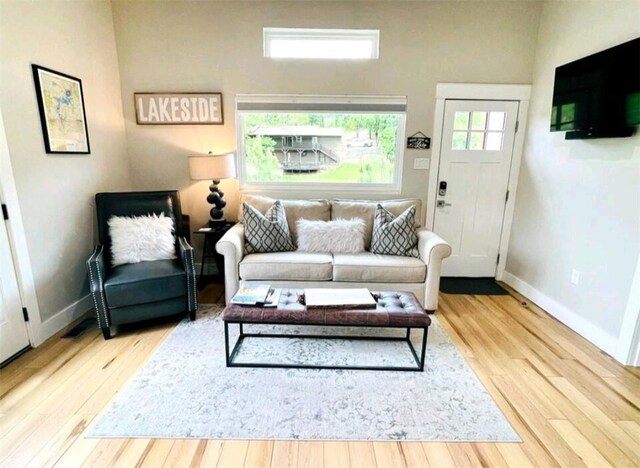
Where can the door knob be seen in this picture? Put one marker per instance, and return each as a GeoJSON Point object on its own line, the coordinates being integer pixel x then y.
{"type": "Point", "coordinates": [442, 204]}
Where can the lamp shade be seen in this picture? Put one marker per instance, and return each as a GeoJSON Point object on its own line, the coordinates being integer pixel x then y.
{"type": "Point", "coordinates": [210, 166]}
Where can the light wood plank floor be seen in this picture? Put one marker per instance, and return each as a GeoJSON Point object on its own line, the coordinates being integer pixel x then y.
{"type": "Point", "coordinates": [571, 404]}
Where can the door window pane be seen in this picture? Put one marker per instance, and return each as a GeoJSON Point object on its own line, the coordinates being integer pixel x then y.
{"type": "Point", "coordinates": [494, 141]}
{"type": "Point", "coordinates": [459, 140]}
{"type": "Point", "coordinates": [461, 121]}
{"type": "Point", "coordinates": [496, 121]}
{"type": "Point", "coordinates": [476, 140]}
{"type": "Point", "coordinates": [478, 121]}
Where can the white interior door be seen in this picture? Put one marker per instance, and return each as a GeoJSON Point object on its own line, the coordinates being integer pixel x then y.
{"type": "Point", "coordinates": [475, 159]}
{"type": "Point", "coordinates": [13, 331]}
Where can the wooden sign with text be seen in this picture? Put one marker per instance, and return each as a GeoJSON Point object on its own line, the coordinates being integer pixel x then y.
{"type": "Point", "coordinates": [178, 108]}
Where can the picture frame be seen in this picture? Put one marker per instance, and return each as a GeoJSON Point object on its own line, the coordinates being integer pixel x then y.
{"type": "Point", "coordinates": [188, 108]}
{"type": "Point", "coordinates": [62, 111]}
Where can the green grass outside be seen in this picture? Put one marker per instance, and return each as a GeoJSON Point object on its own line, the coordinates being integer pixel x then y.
{"type": "Point", "coordinates": [344, 173]}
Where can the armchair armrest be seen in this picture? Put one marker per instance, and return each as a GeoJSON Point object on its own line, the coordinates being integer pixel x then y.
{"type": "Point", "coordinates": [231, 246]}
{"type": "Point", "coordinates": [97, 273]}
{"type": "Point", "coordinates": [186, 258]}
{"type": "Point", "coordinates": [432, 249]}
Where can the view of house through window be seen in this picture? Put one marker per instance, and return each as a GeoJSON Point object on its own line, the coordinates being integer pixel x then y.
{"type": "Point", "coordinates": [321, 147]}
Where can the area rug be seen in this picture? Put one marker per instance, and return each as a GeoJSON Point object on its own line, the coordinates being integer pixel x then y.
{"type": "Point", "coordinates": [185, 391]}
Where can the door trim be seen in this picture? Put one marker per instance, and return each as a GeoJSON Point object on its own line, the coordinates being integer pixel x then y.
{"type": "Point", "coordinates": [18, 242]}
{"type": "Point", "coordinates": [481, 92]}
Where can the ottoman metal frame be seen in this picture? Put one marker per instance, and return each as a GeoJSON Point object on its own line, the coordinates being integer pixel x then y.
{"type": "Point", "coordinates": [231, 355]}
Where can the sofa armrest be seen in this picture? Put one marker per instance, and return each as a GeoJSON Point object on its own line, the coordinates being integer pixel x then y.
{"type": "Point", "coordinates": [231, 247]}
{"type": "Point", "coordinates": [432, 249]}
{"type": "Point", "coordinates": [186, 258]}
{"type": "Point", "coordinates": [97, 274]}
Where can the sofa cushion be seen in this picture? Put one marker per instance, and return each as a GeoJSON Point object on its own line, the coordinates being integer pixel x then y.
{"type": "Point", "coordinates": [294, 209]}
{"type": "Point", "coordinates": [374, 268]}
{"type": "Point", "coordinates": [395, 235]}
{"type": "Point", "coordinates": [287, 266]}
{"type": "Point", "coordinates": [139, 283]}
{"type": "Point", "coordinates": [364, 209]}
{"type": "Point", "coordinates": [268, 232]}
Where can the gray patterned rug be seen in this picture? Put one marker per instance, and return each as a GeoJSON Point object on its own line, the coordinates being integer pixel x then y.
{"type": "Point", "coordinates": [185, 391]}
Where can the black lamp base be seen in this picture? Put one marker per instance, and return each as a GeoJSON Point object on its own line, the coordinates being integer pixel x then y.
{"type": "Point", "coordinates": [216, 198]}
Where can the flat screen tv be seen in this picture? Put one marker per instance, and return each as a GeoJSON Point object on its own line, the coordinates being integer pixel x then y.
{"type": "Point", "coordinates": [598, 96]}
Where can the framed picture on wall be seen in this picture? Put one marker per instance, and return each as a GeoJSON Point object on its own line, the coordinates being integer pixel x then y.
{"type": "Point", "coordinates": [62, 113]}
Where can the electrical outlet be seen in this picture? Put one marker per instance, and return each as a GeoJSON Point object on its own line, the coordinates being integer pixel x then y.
{"type": "Point", "coordinates": [575, 276]}
{"type": "Point", "coordinates": [421, 163]}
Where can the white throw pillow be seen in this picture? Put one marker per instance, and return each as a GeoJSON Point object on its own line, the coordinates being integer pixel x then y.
{"type": "Point", "coordinates": [337, 236]}
{"type": "Point", "coordinates": [141, 239]}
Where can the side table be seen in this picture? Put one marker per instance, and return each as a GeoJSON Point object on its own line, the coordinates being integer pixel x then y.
{"type": "Point", "coordinates": [211, 236]}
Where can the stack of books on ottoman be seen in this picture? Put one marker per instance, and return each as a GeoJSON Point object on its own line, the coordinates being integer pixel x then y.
{"type": "Point", "coordinates": [261, 295]}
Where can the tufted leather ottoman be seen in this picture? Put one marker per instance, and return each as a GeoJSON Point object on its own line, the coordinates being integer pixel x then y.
{"type": "Point", "coordinates": [394, 310]}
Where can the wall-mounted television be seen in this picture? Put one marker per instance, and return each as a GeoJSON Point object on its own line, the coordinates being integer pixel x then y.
{"type": "Point", "coordinates": [598, 96]}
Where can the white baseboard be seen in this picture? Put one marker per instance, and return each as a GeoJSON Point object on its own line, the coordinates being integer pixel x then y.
{"type": "Point", "coordinates": [603, 340]}
{"type": "Point", "coordinates": [54, 324]}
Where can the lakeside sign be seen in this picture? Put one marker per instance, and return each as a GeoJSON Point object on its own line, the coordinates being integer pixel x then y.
{"type": "Point", "coordinates": [178, 108]}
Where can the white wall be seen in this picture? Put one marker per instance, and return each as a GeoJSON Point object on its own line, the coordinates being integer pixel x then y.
{"type": "Point", "coordinates": [55, 192]}
{"type": "Point", "coordinates": [217, 46]}
{"type": "Point", "coordinates": [578, 202]}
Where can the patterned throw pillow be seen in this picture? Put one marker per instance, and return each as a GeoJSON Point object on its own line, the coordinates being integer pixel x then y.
{"type": "Point", "coordinates": [395, 235]}
{"type": "Point", "coordinates": [268, 232]}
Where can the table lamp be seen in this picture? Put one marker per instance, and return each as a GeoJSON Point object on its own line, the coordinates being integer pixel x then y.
{"type": "Point", "coordinates": [213, 167]}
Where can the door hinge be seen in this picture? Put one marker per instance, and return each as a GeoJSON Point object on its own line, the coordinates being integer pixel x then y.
{"type": "Point", "coordinates": [498, 259]}
{"type": "Point", "coordinates": [25, 314]}
{"type": "Point", "coordinates": [517, 126]}
{"type": "Point", "coordinates": [506, 197]}
{"type": "Point", "coordinates": [5, 212]}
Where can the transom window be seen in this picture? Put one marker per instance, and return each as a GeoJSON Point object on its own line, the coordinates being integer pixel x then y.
{"type": "Point", "coordinates": [296, 43]}
{"type": "Point", "coordinates": [307, 142]}
{"type": "Point", "coordinates": [478, 131]}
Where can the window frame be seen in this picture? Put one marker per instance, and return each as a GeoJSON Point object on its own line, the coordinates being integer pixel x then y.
{"type": "Point", "coordinates": [370, 35]}
{"type": "Point", "coordinates": [325, 101]}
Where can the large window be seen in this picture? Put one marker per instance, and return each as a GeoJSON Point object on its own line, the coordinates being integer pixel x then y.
{"type": "Point", "coordinates": [338, 44]}
{"type": "Point", "coordinates": [319, 142]}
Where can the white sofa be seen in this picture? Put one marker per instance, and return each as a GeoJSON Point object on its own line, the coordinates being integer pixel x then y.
{"type": "Point", "coordinates": [420, 276]}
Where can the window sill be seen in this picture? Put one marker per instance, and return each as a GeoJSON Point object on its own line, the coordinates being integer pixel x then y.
{"type": "Point", "coordinates": [390, 189]}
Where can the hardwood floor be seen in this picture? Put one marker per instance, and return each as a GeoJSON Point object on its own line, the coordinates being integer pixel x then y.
{"type": "Point", "coordinates": [571, 404]}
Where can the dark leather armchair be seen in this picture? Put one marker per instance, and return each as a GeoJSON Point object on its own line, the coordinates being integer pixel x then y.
{"type": "Point", "coordinates": [145, 290]}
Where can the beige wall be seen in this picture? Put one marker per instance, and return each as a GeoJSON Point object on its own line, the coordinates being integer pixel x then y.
{"type": "Point", "coordinates": [217, 46]}
{"type": "Point", "coordinates": [578, 202]}
{"type": "Point", "coordinates": [55, 191]}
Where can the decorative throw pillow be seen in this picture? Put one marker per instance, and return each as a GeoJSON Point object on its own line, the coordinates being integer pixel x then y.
{"type": "Point", "coordinates": [141, 239]}
{"type": "Point", "coordinates": [268, 232]}
{"type": "Point", "coordinates": [337, 236]}
{"type": "Point", "coordinates": [395, 235]}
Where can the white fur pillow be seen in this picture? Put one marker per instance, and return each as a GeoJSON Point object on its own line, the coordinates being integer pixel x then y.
{"type": "Point", "coordinates": [337, 236]}
{"type": "Point", "coordinates": [141, 239]}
